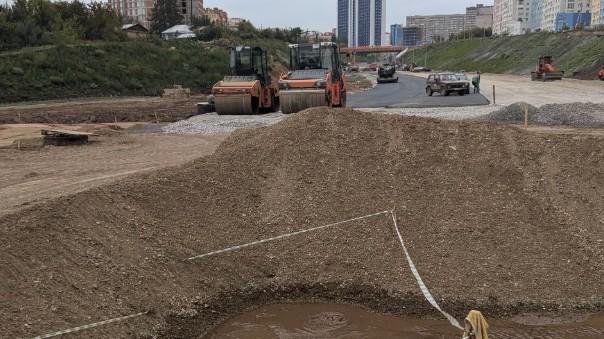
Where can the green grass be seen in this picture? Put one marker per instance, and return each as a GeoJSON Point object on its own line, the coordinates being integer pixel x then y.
{"type": "Point", "coordinates": [132, 68]}
{"type": "Point", "coordinates": [572, 52]}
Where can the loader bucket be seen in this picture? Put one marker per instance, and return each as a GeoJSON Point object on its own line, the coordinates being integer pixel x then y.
{"type": "Point", "coordinates": [236, 104]}
{"type": "Point", "coordinates": [293, 101]}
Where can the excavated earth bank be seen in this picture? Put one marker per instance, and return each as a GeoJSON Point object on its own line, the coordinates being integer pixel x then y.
{"type": "Point", "coordinates": [496, 218]}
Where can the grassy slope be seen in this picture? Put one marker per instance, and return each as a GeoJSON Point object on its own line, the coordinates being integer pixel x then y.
{"type": "Point", "coordinates": [120, 69]}
{"type": "Point", "coordinates": [572, 52]}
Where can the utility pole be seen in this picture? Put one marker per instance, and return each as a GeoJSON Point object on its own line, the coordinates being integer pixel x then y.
{"type": "Point", "coordinates": [426, 58]}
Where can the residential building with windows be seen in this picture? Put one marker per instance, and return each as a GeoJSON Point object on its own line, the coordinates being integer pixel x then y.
{"type": "Point", "coordinates": [597, 13]}
{"type": "Point", "coordinates": [362, 22]}
{"type": "Point", "coordinates": [216, 15]}
{"type": "Point", "coordinates": [139, 11]}
{"type": "Point", "coordinates": [512, 16]}
{"type": "Point", "coordinates": [552, 15]}
{"type": "Point", "coordinates": [405, 36]}
{"type": "Point", "coordinates": [190, 8]}
{"type": "Point", "coordinates": [438, 27]}
{"type": "Point", "coordinates": [479, 16]}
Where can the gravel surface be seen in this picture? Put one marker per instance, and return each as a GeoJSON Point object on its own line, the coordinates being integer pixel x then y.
{"type": "Point", "coordinates": [218, 124]}
{"type": "Point", "coordinates": [448, 113]}
{"type": "Point", "coordinates": [586, 115]}
{"type": "Point", "coordinates": [496, 218]}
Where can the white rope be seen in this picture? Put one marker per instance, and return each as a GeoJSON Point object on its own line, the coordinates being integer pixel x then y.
{"type": "Point", "coordinates": [85, 327]}
{"type": "Point", "coordinates": [283, 236]}
{"type": "Point", "coordinates": [420, 282]}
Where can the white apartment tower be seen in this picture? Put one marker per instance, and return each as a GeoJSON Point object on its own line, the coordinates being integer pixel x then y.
{"type": "Point", "coordinates": [597, 9]}
{"type": "Point", "coordinates": [511, 16]}
{"type": "Point", "coordinates": [551, 9]}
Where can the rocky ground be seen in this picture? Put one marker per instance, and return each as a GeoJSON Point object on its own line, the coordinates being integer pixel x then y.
{"type": "Point", "coordinates": [496, 218]}
{"type": "Point", "coordinates": [581, 115]}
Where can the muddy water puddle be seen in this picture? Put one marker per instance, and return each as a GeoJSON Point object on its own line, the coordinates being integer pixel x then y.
{"type": "Point", "coordinates": [320, 321]}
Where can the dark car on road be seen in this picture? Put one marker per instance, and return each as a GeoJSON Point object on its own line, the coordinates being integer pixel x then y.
{"type": "Point", "coordinates": [447, 83]}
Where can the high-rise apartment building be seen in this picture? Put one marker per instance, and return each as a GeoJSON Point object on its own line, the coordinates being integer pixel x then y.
{"type": "Point", "coordinates": [362, 22]}
{"type": "Point", "coordinates": [597, 12]}
{"type": "Point", "coordinates": [438, 27]}
{"type": "Point", "coordinates": [512, 16]}
{"type": "Point", "coordinates": [550, 15]}
{"type": "Point", "coordinates": [137, 10]}
{"type": "Point", "coordinates": [405, 36]}
{"type": "Point", "coordinates": [479, 16]}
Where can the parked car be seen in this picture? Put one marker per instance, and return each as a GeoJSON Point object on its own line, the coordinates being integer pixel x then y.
{"type": "Point", "coordinates": [355, 68]}
{"type": "Point", "coordinates": [373, 67]}
{"type": "Point", "coordinates": [447, 83]}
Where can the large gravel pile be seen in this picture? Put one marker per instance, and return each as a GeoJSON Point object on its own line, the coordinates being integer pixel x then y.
{"type": "Point", "coordinates": [575, 114]}
{"type": "Point", "coordinates": [496, 219]}
{"type": "Point", "coordinates": [586, 115]}
{"type": "Point", "coordinates": [216, 124]}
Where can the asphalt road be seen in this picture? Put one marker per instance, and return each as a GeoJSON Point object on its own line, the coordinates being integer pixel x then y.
{"type": "Point", "coordinates": [409, 92]}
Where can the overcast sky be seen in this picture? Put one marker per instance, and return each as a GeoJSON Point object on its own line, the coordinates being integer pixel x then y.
{"type": "Point", "coordinates": [322, 14]}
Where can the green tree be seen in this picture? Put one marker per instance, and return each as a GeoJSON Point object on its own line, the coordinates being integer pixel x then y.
{"type": "Point", "coordinates": [165, 15]}
{"type": "Point", "coordinates": [201, 21]}
{"type": "Point", "coordinates": [212, 32]}
{"type": "Point", "coordinates": [102, 23]}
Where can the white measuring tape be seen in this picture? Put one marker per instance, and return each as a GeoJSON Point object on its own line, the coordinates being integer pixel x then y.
{"type": "Point", "coordinates": [420, 282]}
{"type": "Point", "coordinates": [418, 278]}
{"type": "Point", "coordinates": [86, 327]}
{"type": "Point", "coordinates": [234, 248]}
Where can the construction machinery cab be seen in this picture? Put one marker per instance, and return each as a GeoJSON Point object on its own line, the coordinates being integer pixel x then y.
{"type": "Point", "coordinates": [545, 64]}
{"type": "Point", "coordinates": [545, 70]}
{"type": "Point", "coordinates": [314, 79]}
{"type": "Point", "coordinates": [249, 88]}
{"type": "Point", "coordinates": [250, 61]}
{"type": "Point", "coordinates": [323, 56]}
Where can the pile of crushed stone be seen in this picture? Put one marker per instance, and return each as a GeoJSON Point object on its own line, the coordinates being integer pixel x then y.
{"type": "Point", "coordinates": [582, 115]}
{"type": "Point", "coordinates": [496, 219]}
{"type": "Point", "coordinates": [215, 124]}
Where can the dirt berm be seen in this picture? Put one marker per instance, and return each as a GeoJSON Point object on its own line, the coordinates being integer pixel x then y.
{"type": "Point", "coordinates": [496, 219]}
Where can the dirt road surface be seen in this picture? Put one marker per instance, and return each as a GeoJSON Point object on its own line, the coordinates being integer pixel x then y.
{"type": "Point", "coordinates": [108, 110]}
{"type": "Point", "coordinates": [32, 176]}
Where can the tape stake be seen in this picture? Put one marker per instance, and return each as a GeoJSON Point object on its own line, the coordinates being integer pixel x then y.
{"type": "Point", "coordinates": [283, 236]}
{"type": "Point", "coordinates": [419, 280]}
{"type": "Point", "coordinates": [86, 327]}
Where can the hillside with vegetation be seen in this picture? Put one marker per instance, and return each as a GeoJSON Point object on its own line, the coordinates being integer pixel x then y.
{"type": "Point", "coordinates": [579, 54]}
{"type": "Point", "coordinates": [58, 50]}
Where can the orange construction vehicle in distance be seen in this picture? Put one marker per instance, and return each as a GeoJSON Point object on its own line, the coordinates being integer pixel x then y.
{"type": "Point", "coordinates": [315, 78]}
{"type": "Point", "coordinates": [545, 70]}
{"type": "Point", "coordinates": [249, 89]}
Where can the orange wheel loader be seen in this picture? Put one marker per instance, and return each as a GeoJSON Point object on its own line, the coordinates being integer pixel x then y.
{"type": "Point", "coordinates": [315, 78]}
{"type": "Point", "coordinates": [249, 89]}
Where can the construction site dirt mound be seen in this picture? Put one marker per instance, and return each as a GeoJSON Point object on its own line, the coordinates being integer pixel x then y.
{"type": "Point", "coordinates": [495, 218]}
{"type": "Point", "coordinates": [582, 115]}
